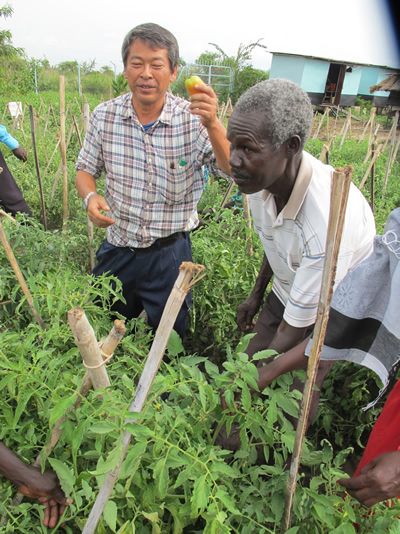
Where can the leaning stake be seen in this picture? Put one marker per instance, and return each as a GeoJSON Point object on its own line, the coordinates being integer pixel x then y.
{"type": "Point", "coordinates": [339, 193]}
{"type": "Point", "coordinates": [20, 276]}
{"type": "Point", "coordinates": [181, 287]}
{"type": "Point", "coordinates": [37, 166]}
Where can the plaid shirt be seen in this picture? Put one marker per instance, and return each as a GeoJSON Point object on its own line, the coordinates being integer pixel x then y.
{"type": "Point", "coordinates": [153, 179]}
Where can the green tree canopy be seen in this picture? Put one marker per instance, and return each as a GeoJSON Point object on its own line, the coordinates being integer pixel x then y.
{"type": "Point", "coordinates": [7, 49]}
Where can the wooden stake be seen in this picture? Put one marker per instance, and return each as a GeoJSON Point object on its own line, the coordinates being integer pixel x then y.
{"type": "Point", "coordinates": [85, 119]}
{"type": "Point", "coordinates": [19, 275]}
{"type": "Point", "coordinates": [51, 158]}
{"type": "Point", "coordinates": [396, 150]}
{"type": "Point", "coordinates": [374, 158]}
{"type": "Point", "coordinates": [249, 224]}
{"type": "Point", "coordinates": [54, 115]}
{"type": "Point", "coordinates": [346, 127]}
{"type": "Point", "coordinates": [88, 347]}
{"type": "Point", "coordinates": [339, 194]}
{"type": "Point", "coordinates": [37, 167]}
{"type": "Point", "coordinates": [228, 193]}
{"type": "Point", "coordinates": [389, 160]}
{"type": "Point", "coordinates": [63, 151]}
{"type": "Point", "coordinates": [372, 187]}
{"type": "Point", "coordinates": [184, 282]}
{"type": "Point", "coordinates": [326, 112]}
{"type": "Point", "coordinates": [370, 144]}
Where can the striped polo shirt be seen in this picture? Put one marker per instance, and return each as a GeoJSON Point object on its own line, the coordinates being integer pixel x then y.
{"type": "Point", "coordinates": [153, 177]}
{"type": "Point", "coordinates": [294, 240]}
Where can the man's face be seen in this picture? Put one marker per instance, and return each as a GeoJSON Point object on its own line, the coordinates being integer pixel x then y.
{"type": "Point", "coordinates": [148, 73]}
{"type": "Point", "coordinates": [255, 164]}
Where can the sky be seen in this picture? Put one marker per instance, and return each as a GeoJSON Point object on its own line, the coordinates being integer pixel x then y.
{"type": "Point", "coordinates": [359, 31]}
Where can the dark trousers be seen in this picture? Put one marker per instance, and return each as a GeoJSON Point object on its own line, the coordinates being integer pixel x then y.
{"type": "Point", "coordinates": [147, 277]}
{"type": "Point", "coordinates": [11, 198]}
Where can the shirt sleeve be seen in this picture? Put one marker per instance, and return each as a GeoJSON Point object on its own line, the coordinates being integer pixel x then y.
{"type": "Point", "coordinates": [90, 157]}
{"type": "Point", "coordinates": [8, 139]}
{"type": "Point", "coordinates": [207, 156]}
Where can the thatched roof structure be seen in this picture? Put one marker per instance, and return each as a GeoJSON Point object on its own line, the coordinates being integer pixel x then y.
{"type": "Point", "coordinates": [391, 83]}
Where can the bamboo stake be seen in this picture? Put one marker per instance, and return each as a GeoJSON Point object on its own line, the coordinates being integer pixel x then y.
{"type": "Point", "coordinates": [326, 112]}
{"type": "Point", "coordinates": [108, 347]}
{"type": "Point", "coordinates": [374, 138]}
{"type": "Point", "coordinates": [54, 115]}
{"type": "Point", "coordinates": [37, 166]}
{"type": "Point", "coordinates": [85, 120]}
{"type": "Point", "coordinates": [53, 190]}
{"type": "Point", "coordinates": [371, 129]}
{"type": "Point", "coordinates": [78, 133]}
{"type": "Point", "coordinates": [372, 187]}
{"type": "Point", "coordinates": [374, 158]}
{"type": "Point", "coordinates": [389, 160]}
{"type": "Point", "coordinates": [47, 122]}
{"type": "Point", "coordinates": [41, 138]}
{"type": "Point", "coordinates": [51, 158]}
{"type": "Point", "coordinates": [396, 150]}
{"type": "Point", "coordinates": [4, 112]}
{"type": "Point", "coordinates": [370, 122]}
{"type": "Point", "coordinates": [88, 347]}
{"type": "Point", "coordinates": [228, 193]}
{"type": "Point", "coordinates": [346, 127]}
{"type": "Point", "coordinates": [63, 151]}
{"type": "Point", "coordinates": [7, 215]}
{"type": "Point", "coordinates": [247, 216]}
{"type": "Point", "coordinates": [184, 282]}
{"type": "Point", "coordinates": [339, 193]}
{"type": "Point", "coordinates": [325, 150]}
{"type": "Point", "coordinates": [19, 275]}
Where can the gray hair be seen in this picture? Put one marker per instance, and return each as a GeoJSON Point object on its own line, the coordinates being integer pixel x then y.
{"type": "Point", "coordinates": [154, 36]}
{"type": "Point", "coordinates": [286, 107]}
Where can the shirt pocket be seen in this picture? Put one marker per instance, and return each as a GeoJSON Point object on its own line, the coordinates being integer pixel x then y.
{"type": "Point", "coordinates": [177, 185]}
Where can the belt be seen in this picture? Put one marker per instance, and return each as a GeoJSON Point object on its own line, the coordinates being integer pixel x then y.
{"type": "Point", "coordinates": [162, 242]}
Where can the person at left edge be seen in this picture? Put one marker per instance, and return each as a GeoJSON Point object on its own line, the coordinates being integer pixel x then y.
{"type": "Point", "coordinates": [11, 198]}
{"type": "Point", "coordinates": [151, 146]}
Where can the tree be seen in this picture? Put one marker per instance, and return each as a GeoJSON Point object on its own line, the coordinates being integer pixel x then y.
{"type": "Point", "coordinates": [244, 75]}
{"type": "Point", "coordinates": [7, 49]}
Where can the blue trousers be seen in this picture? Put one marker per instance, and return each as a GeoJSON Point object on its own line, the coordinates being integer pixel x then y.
{"type": "Point", "coordinates": [147, 278]}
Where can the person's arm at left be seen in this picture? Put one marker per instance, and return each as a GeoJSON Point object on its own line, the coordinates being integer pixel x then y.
{"type": "Point", "coordinates": [18, 150]}
{"type": "Point", "coordinates": [204, 104]}
{"type": "Point", "coordinates": [44, 487]}
{"type": "Point", "coordinates": [379, 480]}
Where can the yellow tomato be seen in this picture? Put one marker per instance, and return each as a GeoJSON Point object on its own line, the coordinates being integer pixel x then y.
{"type": "Point", "coordinates": [191, 82]}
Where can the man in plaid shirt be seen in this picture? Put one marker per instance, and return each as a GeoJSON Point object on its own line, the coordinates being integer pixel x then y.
{"type": "Point", "coordinates": [151, 147]}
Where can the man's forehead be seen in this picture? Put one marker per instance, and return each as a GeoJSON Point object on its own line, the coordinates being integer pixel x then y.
{"type": "Point", "coordinates": [138, 48]}
{"type": "Point", "coordinates": [247, 123]}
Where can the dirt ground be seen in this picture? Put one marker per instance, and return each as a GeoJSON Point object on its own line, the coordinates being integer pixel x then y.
{"type": "Point", "coordinates": [333, 126]}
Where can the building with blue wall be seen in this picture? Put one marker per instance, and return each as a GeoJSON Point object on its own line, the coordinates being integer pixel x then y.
{"type": "Point", "coordinates": [329, 81]}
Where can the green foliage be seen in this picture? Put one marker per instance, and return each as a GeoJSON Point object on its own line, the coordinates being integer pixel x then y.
{"type": "Point", "coordinates": [244, 75]}
{"type": "Point", "coordinates": [120, 85]}
{"type": "Point", "coordinates": [7, 49]}
{"type": "Point", "coordinates": [175, 479]}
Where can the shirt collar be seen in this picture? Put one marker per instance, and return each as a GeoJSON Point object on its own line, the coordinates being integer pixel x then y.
{"type": "Point", "coordinates": [299, 191]}
{"type": "Point", "coordinates": [128, 110]}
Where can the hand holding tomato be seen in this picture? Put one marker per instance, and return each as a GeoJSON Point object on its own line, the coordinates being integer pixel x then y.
{"type": "Point", "coordinates": [190, 84]}
{"type": "Point", "coordinates": [203, 100]}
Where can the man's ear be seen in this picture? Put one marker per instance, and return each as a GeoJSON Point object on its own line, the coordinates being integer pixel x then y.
{"type": "Point", "coordinates": [293, 145]}
{"type": "Point", "coordinates": [124, 74]}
